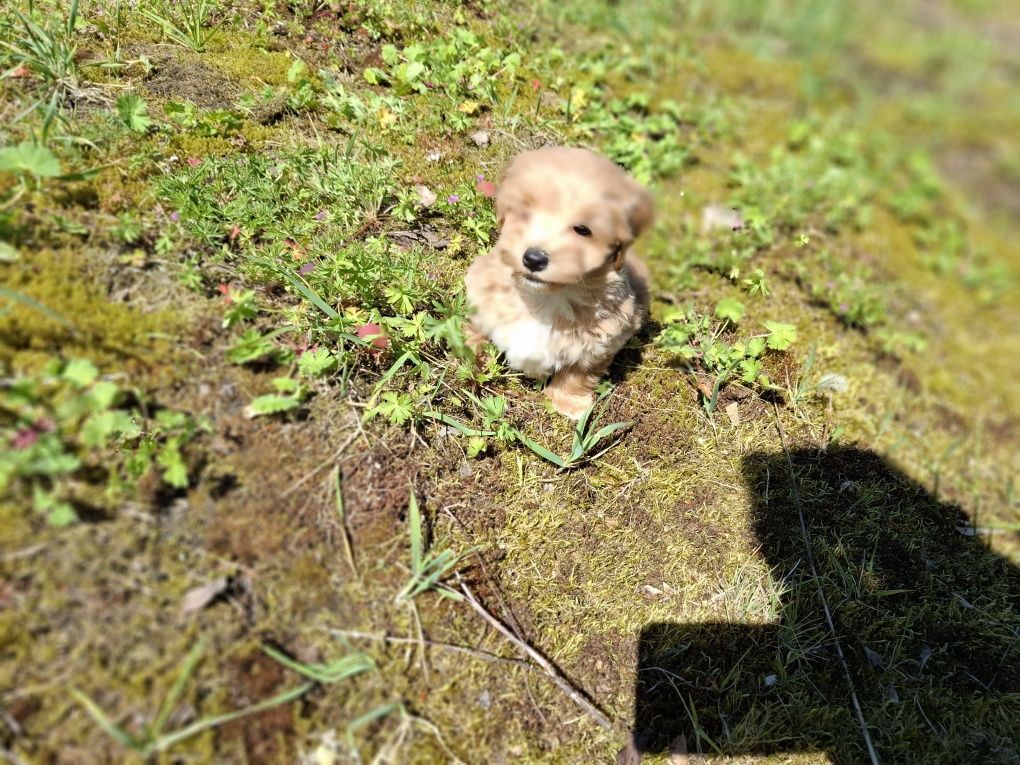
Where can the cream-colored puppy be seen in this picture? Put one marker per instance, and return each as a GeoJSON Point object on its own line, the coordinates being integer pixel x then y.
{"type": "Point", "coordinates": [559, 294]}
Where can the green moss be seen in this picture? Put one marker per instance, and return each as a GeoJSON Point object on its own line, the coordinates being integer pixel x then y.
{"type": "Point", "coordinates": [110, 333]}
{"type": "Point", "coordinates": [239, 55]}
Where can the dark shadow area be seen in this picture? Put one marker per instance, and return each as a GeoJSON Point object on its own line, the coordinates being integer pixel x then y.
{"type": "Point", "coordinates": [926, 615]}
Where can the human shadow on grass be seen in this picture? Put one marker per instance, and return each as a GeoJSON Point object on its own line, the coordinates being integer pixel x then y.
{"type": "Point", "coordinates": [927, 618]}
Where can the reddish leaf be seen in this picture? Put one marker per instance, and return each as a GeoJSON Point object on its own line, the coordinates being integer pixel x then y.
{"type": "Point", "coordinates": [374, 331]}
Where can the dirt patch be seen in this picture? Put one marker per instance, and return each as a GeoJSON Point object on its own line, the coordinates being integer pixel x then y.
{"type": "Point", "coordinates": [177, 76]}
{"type": "Point", "coordinates": [266, 737]}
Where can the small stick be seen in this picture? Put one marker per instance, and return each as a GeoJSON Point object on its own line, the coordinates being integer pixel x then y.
{"type": "Point", "coordinates": [422, 658]}
{"type": "Point", "coordinates": [345, 534]}
{"type": "Point", "coordinates": [555, 675]}
{"type": "Point", "coordinates": [483, 655]}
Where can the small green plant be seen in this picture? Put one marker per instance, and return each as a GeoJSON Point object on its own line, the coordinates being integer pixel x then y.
{"type": "Point", "coordinates": [699, 343]}
{"type": "Point", "coordinates": [290, 394]}
{"type": "Point", "coordinates": [154, 739]}
{"type": "Point", "coordinates": [731, 310]}
{"type": "Point", "coordinates": [756, 283]}
{"type": "Point", "coordinates": [128, 228]}
{"type": "Point", "coordinates": [208, 123]}
{"type": "Point", "coordinates": [241, 306]}
{"type": "Point", "coordinates": [429, 567]}
{"type": "Point", "coordinates": [585, 440]}
{"type": "Point", "coordinates": [457, 63]}
{"type": "Point", "coordinates": [491, 409]}
{"type": "Point", "coordinates": [68, 421]}
{"type": "Point", "coordinates": [316, 362]}
{"type": "Point", "coordinates": [251, 346]}
{"type": "Point", "coordinates": [189, 25]}
{"type": "Point", "coordinates": [29, 162]}
{"type": "Point", "coordinates": [134, 113]}
{"type": "Point", "coordinates": [396, 407]}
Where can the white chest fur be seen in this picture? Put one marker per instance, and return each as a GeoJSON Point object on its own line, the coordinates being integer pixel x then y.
{"type": "Point", "coordinates": [540, 331]}
{"type": "Point", "coordinates": [527, 345]}
{"type": "Point", "coordinates": [532, 342]}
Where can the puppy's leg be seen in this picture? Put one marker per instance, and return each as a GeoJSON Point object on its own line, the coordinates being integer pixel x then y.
{"type": "Point", "coordinates": [572, 389]}
{"type": "Point", "coordinates": [474, 339]}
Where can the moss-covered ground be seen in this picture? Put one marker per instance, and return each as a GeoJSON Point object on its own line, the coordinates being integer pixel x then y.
{"type": "Point", "coordinates": [239, 210]}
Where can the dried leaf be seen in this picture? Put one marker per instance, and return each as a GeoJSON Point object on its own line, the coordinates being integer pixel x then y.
{"type": "Point", "coordinates": [715, 217]}
{"type": "Point", "coordinates": [733, 412]}
{"type": "Point", "coordinates": [198, 598]}
{"type": "Point", "coordinates": [630, 754]}
{"type": "Point", "coordinates": [835, 382]}
{"type": "Point", "coordinates": [426, 196]}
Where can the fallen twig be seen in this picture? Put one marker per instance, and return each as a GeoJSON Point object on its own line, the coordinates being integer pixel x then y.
{"type": "Point", "coordinates": [554, 674]}
{"type": "Point", "coordinates": [477, 653]}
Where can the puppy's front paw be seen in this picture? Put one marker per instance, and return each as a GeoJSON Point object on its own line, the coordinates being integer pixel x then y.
{"type": "Point", "coordinates": [476, 342]}
{"type": "Point", "coordinates": [571, 405]}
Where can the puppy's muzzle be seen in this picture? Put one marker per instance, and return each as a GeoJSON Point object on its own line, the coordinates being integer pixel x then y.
{"type": "Point", "coordinates": [535, 259]}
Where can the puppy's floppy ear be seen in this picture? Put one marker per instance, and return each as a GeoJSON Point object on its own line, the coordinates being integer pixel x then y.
{"type": "Point", "coordinates": [503, 195]}
{"type": "Point", "coordinates": [641, 212]}
{"type": "Point", "coordinates": [639, 207]}
{"type": "Point", "coordinates": [508, 192]}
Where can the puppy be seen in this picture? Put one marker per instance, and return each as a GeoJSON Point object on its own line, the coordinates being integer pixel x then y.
{"type": "Point", "coordinates": [559, 294]}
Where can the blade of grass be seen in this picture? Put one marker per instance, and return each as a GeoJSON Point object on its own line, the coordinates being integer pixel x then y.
{"type": "Point", "coordinates": [417, 536]}
{"type": "Point", "coordinates": [165, 742]}
{"type": "Point", "coordinates": [604, 432]}
{"type": "Point", "coordinates": [540, 450]}
{"type": "Point", "coordinates": [335, 672]}
{"type": "Point", "coordinates": [35, 305]}
{"type": "Point", "coordinates": [369, 717]}
{"type": "Point", "coordinates": [187, 669]}
{"type": "Point", "coordinates": [111, 729]}
{"type": "Point", "coordinates": [299, 284]}
{"type": "Point", "coordinates": [342, 512]}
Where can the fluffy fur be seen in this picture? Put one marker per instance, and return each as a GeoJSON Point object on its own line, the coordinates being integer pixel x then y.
{"type": "Point", "coordinates": [578, 213]}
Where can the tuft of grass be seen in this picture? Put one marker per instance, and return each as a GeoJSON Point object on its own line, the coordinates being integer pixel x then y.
{"type": "Point", "coordinates": [585, 440]}
{"type": "Point", "coordinates": [189, 23]}
{"type": "Point", "coordinates": [429, 567]}
{"type": "Point", "coordinates": [47, 49]}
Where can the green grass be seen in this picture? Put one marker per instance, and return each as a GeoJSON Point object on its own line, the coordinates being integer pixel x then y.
{"type": "Point", "coordinates": [284, 260]}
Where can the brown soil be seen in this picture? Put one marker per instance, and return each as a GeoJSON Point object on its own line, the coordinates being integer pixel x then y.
{"type": "Point", "coordinates": [178, 75]}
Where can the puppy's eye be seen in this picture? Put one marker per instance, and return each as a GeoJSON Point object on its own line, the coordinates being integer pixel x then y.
{"type": "Point", "coordinates": [582, 230]}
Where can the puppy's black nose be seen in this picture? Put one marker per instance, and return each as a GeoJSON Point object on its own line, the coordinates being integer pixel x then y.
{"type": "Point", "coordinates": [535, 259]}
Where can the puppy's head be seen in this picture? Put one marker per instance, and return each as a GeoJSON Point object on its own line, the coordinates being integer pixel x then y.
{"type": "Point", "coordinates": [568, 215]}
